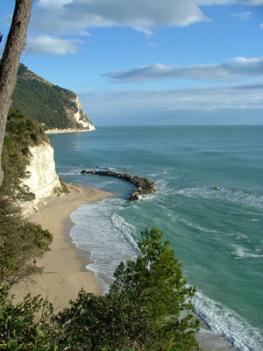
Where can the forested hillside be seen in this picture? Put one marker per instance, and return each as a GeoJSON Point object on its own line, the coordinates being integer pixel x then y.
{"type": "Point", "coordinates": [52, 106]}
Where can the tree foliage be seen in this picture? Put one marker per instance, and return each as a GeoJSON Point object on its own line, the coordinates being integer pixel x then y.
{"type": "Point", "coordinates": [20, 242]}
{"type": "Point", "coordinates": [148, 308]}
{"type": "Point", "coordinates": [49, 104]}
{"type": "Point", "coordinates": [21, 134]}
{"type": "Point", "coordinates": [27, 325]}
{"type": "Point", "coordinates": [152, 289]}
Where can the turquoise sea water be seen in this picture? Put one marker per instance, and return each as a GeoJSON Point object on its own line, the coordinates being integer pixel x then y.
{"type": "Point", "coordinates": [209, 203]}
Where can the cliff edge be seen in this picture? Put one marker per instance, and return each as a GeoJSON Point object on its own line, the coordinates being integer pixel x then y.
{"type": "Point", "coordinates": [56, 108]}
{"type": "Point", "coordinates": [29, 166]}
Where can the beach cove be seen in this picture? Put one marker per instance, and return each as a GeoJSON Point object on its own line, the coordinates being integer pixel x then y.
{"type": "Point", "coordinates": [64, 265]}
{"type": "Point", "coordinates": [208, 203]}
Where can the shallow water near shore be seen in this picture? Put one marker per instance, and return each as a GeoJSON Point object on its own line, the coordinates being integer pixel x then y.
{"type": "Point", "coordinates": [209, 203]}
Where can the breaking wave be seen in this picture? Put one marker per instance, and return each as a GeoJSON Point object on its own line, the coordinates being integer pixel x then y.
{"type": "Point", "coordinates": [99, 231]}
{"type": "Point", "coordinates": [110, 239]}
{"type": "Point", "coordinates": [224, 194]}
{"type": "Point", "coordinates": [228, 323]}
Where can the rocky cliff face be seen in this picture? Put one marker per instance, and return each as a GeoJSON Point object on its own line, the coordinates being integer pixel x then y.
{"type": "Point", "coordinates": [28, 163]}
{"type": "Point", "coordinates": [54, 107]}
{"type": "Point", "coordinates": [79, 116]}
{"type": "Point", "coordinates": [41, 177]}
{"type": "Point", "coordinates": [79, 121]}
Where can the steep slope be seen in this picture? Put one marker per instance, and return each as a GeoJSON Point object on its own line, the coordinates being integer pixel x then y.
{"type": "Point", "coordinates": [28, 163]}
{"type": "Point", "coordinates": [52, 106]}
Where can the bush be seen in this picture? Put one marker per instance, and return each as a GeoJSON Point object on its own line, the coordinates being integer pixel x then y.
{"type": "Point", "coordinates": [20, 242]}
{"type": "Point", "coordinates": [148, 308]}
{"type": "Point", "coordinates": [27, 325]}
{"type": "Point", "coordinates": [21, 133]}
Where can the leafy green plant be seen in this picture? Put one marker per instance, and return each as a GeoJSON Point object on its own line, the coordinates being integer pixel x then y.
{"type": "Point", "coordinates": [20, 242]}
{"type": "Point", "coordinates": [44, 102]}
{"type": "Point", "coordinates": [27, 325]}
{"type": "Point", "coordinates": [148, 307]}
{"type": "Point", "coordinates": [21, 134]}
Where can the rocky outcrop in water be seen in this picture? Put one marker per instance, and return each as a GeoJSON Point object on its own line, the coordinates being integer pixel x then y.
{"type": "Point", "coordinates": [143, 186]}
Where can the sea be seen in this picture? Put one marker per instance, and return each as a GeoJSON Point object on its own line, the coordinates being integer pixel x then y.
{"type": "Point", "coordinates": [208, 203]}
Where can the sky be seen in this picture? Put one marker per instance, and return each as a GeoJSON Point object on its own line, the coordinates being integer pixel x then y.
{"type": "Point", "coordinates": [148, 62]}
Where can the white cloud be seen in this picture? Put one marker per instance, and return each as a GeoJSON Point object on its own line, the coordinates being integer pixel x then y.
{"type": "Point", "coordinates": [46, 44]}
{"type": "Point", "coordinates": [242, 15]}
{"type": "Point", "coordinates": [138, 14]}
{"type": "Point", "coordinates": [261, 25]}
{"type": "Point", "coordinates": [232, 69]}
{"type": "Point", "coordinates": [75, 16]}
{"type": "Point", "coordinates": [132, 103]}
{"type": "Point", "coordinates": [254, 2]}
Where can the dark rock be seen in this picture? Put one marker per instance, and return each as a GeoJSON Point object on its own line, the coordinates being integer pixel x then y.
{"type": "Point", "coordinates": [142, 185]}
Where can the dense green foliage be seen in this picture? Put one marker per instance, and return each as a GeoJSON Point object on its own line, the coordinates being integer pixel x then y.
{"type": "Point", "coordinates": [26, 326]}
{"type": "Point", "coordinates": [21, 133]}
{"type": "Point", "coordinates": [148, 308]}
{"type": "Point", "coordinates": [20, 242]}
{"type": "Point", "coordinates": [42, 101]}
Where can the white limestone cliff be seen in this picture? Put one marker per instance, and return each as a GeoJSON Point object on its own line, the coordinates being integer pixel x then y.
{"type": "Point", "coordinates": [80, 117]}
{"type": "Point", "coordinates": [42, 179]}
{"type": "Point", "coordinates": [77, 117]}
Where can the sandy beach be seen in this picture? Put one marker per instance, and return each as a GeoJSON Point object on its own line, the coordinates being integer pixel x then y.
{"type": "Point", "coordinates": [64, 265]}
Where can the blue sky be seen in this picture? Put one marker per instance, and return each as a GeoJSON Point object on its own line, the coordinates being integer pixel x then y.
{"type": "Point", "coordinates": [151, 61]}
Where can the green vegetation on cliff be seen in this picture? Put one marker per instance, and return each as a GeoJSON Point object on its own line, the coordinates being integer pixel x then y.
{"type": "Point", "coordinates": [20, 240]}
{"type": "Point", "coordinates": [20, 243]}
{"type": "Point", "coordinates": [44, 102]}
{"type": "Point", "coordinates": [147, 308]}
{"type": "Point", "coordinates": [21, 134]}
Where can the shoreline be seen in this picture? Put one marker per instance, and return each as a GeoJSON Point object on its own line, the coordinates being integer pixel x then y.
{"type": "Point", "coordinates": [64, 265]}
{"type": "Point", "coordinates": [68, 130]}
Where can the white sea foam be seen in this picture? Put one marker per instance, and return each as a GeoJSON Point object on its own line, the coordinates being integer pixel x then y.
{"type": "Point", "coordinates": [241, 236]}
{"type": "Point", "coordinates": [226, 322]}
{"type": "Point", "coordinates": [161, 173]}
{"type": "Point", "coordinates": [69, 173]}
{"type": "Point", "coordinates": [163, 187]}
{"type": "Point", "coordinates": [126, 229]}
{"type": "Point", "coordinates": [224, 194]}
{"type": "Point", "coordinates": [196, 226]}
{"type": "Point", "coordinates": [98, 231]}
{"type": "Point", "coordinates": [240, 252]}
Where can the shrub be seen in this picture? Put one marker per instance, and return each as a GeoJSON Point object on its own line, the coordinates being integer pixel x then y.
{"type": "Point", "coordinates": [21, 133]}
{"type": "Point", "coordinates": [20, 242]}
{"type": "Point", "coordinates": [27, 325]}
{"type": "Point", "coordinates": [148, 307]}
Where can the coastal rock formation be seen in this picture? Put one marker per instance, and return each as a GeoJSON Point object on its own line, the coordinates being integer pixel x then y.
{"type": "Point", "coordinates": [79, 116]}
{"type": "Point", "coordinates": [143, 186]}
{"type": "Point", "coordinates": [54, 107]}
{"type": "Point", "coordinates": [41, 177]}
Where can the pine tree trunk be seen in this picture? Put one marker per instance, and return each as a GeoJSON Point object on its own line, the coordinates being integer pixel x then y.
{"type": "Point", "coordinates": [10, 63]}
